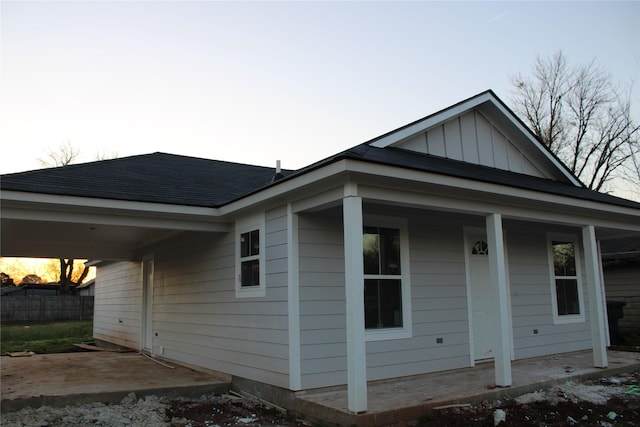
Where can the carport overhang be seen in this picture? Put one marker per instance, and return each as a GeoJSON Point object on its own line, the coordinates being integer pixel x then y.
{"type": "Point", "coordinates": [53, 226]}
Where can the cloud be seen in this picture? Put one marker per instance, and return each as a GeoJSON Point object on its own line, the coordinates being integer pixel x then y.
{"type": "Point", "coordinates": [499, 16]}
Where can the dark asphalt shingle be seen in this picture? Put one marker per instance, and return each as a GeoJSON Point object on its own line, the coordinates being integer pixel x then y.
{"type": "Point", "coordinates": [156, 178]}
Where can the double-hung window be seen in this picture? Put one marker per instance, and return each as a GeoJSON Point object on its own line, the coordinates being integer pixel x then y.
{"type": "Point", "coordinates": [386, 279]}
{"type": "Point", "coordinates": [250, 257]}
{"type": "Point", "coordinates": [566, 285]}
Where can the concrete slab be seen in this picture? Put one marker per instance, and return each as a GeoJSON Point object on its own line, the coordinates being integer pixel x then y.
{"type": "Point", "coordinates": [62, 379]}
{"type": "Point", "coordinates": [67, 378]}
{"type": "Point", "coordinates": [406, 399]}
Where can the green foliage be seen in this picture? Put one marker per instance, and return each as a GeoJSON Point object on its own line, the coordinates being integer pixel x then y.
{"type": "Point", "coordinates": [43, 338]}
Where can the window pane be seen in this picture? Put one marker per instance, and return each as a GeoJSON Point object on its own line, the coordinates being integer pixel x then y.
{"type": "Point", "coordinates": [245, 241]}
{"type": "Point", "coordinates": [371, 250]}
{"type": "Point", "coordinates": [390, 251]}
{"type": "Point", "coordinates": [382, 304]}
{"type": "Point", "coordinates": [255, 242]}
{"type": "Point", "coordinates": [250, 243]}
{"type": "Point", "coordinates": [564, 261]}
{"type": "Point", "coordinates": [250, 273]}
{"type": "Point", "coordinates": [567, 296]}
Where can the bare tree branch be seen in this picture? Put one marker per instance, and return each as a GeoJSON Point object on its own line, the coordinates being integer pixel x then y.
{"type": "Point", "coordinates": [64, 155]}
{"type": "Point", "coordinates": [581, 117]}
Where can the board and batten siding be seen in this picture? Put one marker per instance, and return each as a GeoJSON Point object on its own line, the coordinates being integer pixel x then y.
{"type": "Point", "coordinates": [534, 332]}
{"type": "Point", "coordinates": [117, 303]}
{"type": "Point", "coordinates": [472, 138]}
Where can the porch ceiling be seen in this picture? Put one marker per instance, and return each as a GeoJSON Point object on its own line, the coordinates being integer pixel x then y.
{"type": "Point", "coordinates": [51, 239]}
{"type": "Point", "coordinates": [39, 226]}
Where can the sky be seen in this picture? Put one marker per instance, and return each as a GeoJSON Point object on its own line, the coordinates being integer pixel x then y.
{"type": "Point", "coordinates": [256, 82]}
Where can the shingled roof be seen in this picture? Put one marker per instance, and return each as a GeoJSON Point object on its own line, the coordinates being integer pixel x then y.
{"type": "Point", "coordinates": [189, 181]}
{"type": "Point", "coordinates": [428, 163]}
{"type": "Point", "coordinates": [156, 178]}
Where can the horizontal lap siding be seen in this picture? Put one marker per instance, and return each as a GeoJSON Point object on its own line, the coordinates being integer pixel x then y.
{"type": "Point", "coordinates": [439, 300]}
{"type": "Point", "coordinates": [199, 320]}
{"type": "Point", "coordinates": [622, 283]}
{"type": "Point", "coordinates": [439, 306]}
{"type": "Point", "coordinates": [322, 301]}
{"type": "Point", "coordinates": [118, 301]}
{"type": "Point", "coordinates": [531, 303]}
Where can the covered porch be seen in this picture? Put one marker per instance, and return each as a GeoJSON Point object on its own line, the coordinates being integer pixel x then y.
{"type": "Point", "coordinates": [492, 210]}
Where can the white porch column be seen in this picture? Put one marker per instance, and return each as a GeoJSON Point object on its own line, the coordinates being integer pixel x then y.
{"type": "Point", "coordinates": [596, 299]}
{"type": "Point", "coordinates": [498, 278]}
{"type": "Point", "coordinates": [293, 295]}
{"type": "Point", "coordinates": [354, 284]}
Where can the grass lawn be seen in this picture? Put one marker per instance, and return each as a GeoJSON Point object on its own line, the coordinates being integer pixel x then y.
{"type": "Point", "coordinates": [42, 338]}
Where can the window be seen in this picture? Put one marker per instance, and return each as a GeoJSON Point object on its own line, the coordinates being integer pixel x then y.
{"type": "Point", "coordinates": [250, 258]}
{"type": "Point", "coordinates": [386, 283]}
{"type": "Point", "coordinates": [565, 280]}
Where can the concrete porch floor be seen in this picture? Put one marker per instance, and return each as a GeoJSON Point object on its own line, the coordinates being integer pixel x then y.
{"type": "Point", "coordinates": [398, 401]}
{"type": "Point", "coordinates": [63, 379]}
{"type": "Point", "coordinates": [70, 378]}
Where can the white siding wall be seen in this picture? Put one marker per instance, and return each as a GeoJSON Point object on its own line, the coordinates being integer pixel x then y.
{"type": "Point", "coordinates": [322, 301]}
{"type": "Point", "coordinates": [531, 298]}
{"type": "Point", "coordinates": [118, 298]}
{"type": "Point", "coordinates": [439, 300]}
{"type": "Point", "coordinates": [439, 306]}
{"type": "Point", "coordinates": [198, 319]}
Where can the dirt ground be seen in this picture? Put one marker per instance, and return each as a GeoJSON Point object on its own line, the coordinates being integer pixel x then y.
{"type": "Point", "coordinates": [608, 401]}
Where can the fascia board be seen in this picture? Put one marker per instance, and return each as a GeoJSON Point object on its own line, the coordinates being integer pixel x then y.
{"type": "Point", "coordinates": [48, 207]}
{"type": "Point", "coordinates": [430, 121]}
{"type": "Point", "coordinates": [289, 186]}
{"type": "Point", "coordinates": [589, 210]}
{"type": "Point", "coordinates": [602, 212]}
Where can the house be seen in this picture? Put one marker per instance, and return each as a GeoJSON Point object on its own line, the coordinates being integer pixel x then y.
{"type": "Point", "coordinates": [454, 240]}
{"type": "Point", "coordinates": [35, 289]}
{"type": "Point", "coordinates": [87, 289]}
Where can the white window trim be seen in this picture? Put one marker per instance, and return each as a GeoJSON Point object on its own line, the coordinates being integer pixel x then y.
{"type": "Point", "coordinates": [566, 318]}
{"type": "Point", "coordinates": [406, 331]}
{"type": "Point", "coordinates": [244, 225]}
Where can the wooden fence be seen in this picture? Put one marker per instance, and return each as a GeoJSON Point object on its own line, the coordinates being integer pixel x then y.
{"type": "Point", "coordinates": [46, 308]}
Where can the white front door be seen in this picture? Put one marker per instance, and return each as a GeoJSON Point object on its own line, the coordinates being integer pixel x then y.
{"type": "Point", "coordinates": [482, 307]}
{"type": "Point", "coordinates": [147, 303]}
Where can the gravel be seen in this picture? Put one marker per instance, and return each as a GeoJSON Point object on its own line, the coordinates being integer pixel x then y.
{"type": "Point", "coordinates": [148, 411]}
{"type": "Point", "coordinates": [618, 398]}
{"type": "Point", "coordinates": [153, 411]}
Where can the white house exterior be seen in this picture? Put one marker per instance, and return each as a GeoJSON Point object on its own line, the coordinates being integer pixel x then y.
{"type": "Point", "coordinates": [456, 239]}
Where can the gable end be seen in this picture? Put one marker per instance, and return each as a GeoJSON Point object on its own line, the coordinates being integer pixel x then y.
{"type": "Point", "coordinates": [480, 131]}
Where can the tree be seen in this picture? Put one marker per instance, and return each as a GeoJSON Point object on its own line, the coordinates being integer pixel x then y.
{"type": "Point", "coordinates": [67, 277]}
{"type": "Point", "coordinates": [6, 279]}
{"type": "Point", "coordinates": [31, 279]}
{"type": "Point", "coordinates": [581, 116]}
{"type": "Point", "coordinates": [64, 155]}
